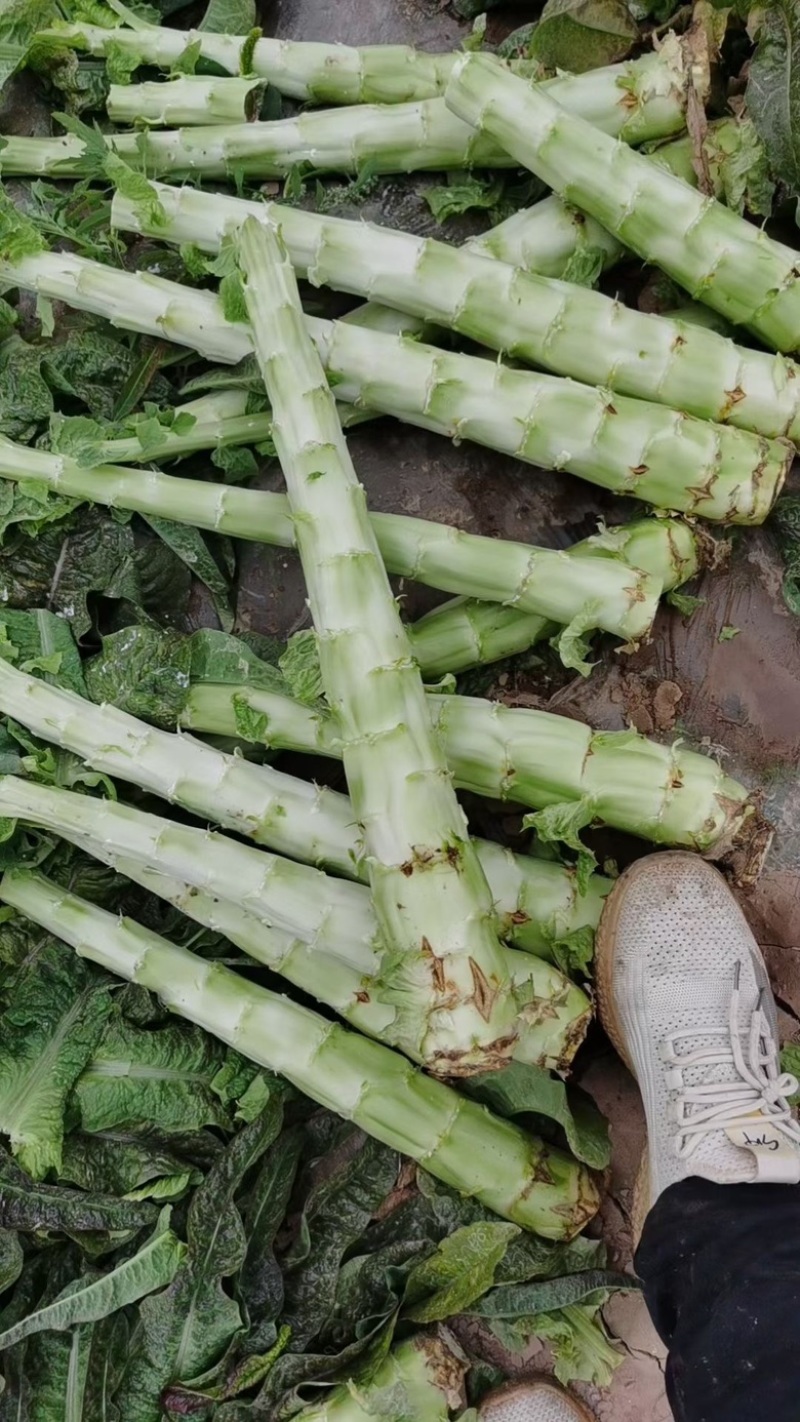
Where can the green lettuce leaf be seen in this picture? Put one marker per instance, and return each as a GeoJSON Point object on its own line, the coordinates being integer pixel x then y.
{"type": "Point", "coordinates": [773, 88]}
{"type": "Point", "coordinates": [163, 1076]}
{"type": "Point", "coordinates": [187, 1328]}
{"type": "Point", "coordinates": [520, 1089]}
{"type": "Point", "coordinates": [55, 1012]}
{"type": "Point", "coordinates": [91, 1298]}
{"type": "Point", "coordinates": [459, 1273]}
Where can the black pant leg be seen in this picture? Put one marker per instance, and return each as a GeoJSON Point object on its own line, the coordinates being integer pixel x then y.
{"type": "Point", "coordinates": [720, 1266]}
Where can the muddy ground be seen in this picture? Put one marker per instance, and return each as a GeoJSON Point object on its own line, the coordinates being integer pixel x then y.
{"type": "Point", "coordinates": [739, 697]}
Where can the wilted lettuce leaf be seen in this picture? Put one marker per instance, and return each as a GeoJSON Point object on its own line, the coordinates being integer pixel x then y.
{"type": "Point", "coordinates": [149, 672]}
{"type": "Point", "coordinates": [458, 1274]}
{"type": "Point", "coordinates": [520, 1089]}
{"type": "Point", "coordinates": [187, 1328]}
{"type": "Point", "coordinates": [336, 1212]}
{"type": "Point", "coordinates": [92, 554]}
{"type": "Point", "coordinates": [578, 35]}
{"type": "Point", "coordinates": [773, 88]}
{"type": "Point", "coordinates": [94, 1296]}
{"type": "Point", "coordinates": [464, 193]}
{"type": "Point", "coordinates": [785, 523]}
{"type": "Point", "coordinates": [229, 17]}
{"type": "Point", "coordinates": [19, 22]}
{"type": "Point", "coordinates": [39, 641]}
{"type": "Point", "coordinates": [54, 1013]}
{"type": "Point", "coordinates": [261, 1279]}
{"type": "Point", "coordinates": [33, 1207]}
{"type": "Point", "coordinates": [163, 1076]}
{"type": "Point", "coordinates": [562, 824]}
{"type": "Point", "coordinates": [190, 545]}
{"type": "Point", "coordinates": [131, 1164]}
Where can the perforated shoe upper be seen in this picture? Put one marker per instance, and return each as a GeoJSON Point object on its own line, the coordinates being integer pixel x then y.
{"type": "Point", "coordinates": [687, 1000]}
{"type": "Point", "coordinates": [539, 1401]}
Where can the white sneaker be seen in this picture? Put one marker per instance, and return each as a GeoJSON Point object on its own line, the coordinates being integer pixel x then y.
{"type": "Point", "coordinates": [685, 998]}
{"type": "Point", "coordinates": [539, 1401]}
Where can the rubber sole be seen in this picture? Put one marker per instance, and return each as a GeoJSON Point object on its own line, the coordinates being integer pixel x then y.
{"type": "Point", "coordinates": [604, 951]}
{"type": "Point", "coordinates": [528, 1390]}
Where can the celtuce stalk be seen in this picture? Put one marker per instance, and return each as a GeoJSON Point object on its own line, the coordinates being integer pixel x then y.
{"type": "Point", "coordinates": [463, 632]}
{"type": "Point", "coordinates": [631, 447]}
{"type": "Point", "coordinates": [605, 593]}
{"type": "Point", "coordinates": [665, 794]}
{"type": "Point", "coordinates": [553, 1014]}
{"type": "Point", "coordinates": [292, 816]}
{"type": "Point", "coordinates": [186, 99]}
{"type": "Point", "coordinates": [431, 898]}
{"type": "Point", "coordinates": [395, 138]}
{"type": "Point", "coordinates": [722, 260]}
{"type": "Point", "coordinates": [422, 1378]}
{"type": "Point", "coordinates": [646, 97]}
{"type": "Point", "coordinates": [335, 921]}
{"type": "Point", "coordinates": [459, 1142]}
{"type": "Point", "coordinates": [569, 329]}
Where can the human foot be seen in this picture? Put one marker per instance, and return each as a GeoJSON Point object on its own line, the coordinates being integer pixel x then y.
{"type": "Point", "coordinates": [537, 1401]}
{"type": "Point", "coordinates": [685, 998]}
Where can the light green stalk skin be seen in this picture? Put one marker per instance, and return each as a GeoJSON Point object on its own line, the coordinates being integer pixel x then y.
{"type": "Point", "coordinates": [630, 447]}
{"type": "Point", "coordinates": [430, 894]}
{"type": "Point", "coordinates": [464, 632]}
{"type": "Point", "coordinates": [395, 138]}
{"type": "Point", "coordinates": [662, 793]}
{"type": "Point", "coordinates": [220, 420]}
{"type": "Point", "coordinates": [295, 817]}
{"type": "Point", "coordinates": [186, 99]}
{"type": "Point", "coordinates": [311, 824]}
{"type": "Point", "coordinates": [544, 237]}
{"type": "Point", "coordinates": [553, 1013]}
{"type": "Point", "coordinates": [666, 794]}
{"type": "Point", "coordinates": [719, 258]}
{"type": "Point", "coordinates": [644, 98]}
{"type": "Point", "coordinates": [568, 329]}
{"type": "Point", "coordinates": [421, 1380]}
{"type": "Point", "coordinates": [459, 1142]}
{"type": "Point", "coordinates": [611, 594]}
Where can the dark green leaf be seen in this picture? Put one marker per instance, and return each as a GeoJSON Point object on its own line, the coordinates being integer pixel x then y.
{"type": "Point", "coordinates": [37, 636]}
{"type": "Point", "coordinates": [578, 35]}
{"type": "Point", "coordinates": [336, 1212]}
{"type": "Point", "coordinates": [56, 1009]}
{"type": "Point", "coordinates": [161, 1077]}
{"type": "Point", "coordinates": [261, 1280]}
{"type": "Point", "coordinates": [773, 88]}
{"type": "Point", "coordinates": [32, 1207]}
{"type": "Point", "coordinates": [187, 1328]}
{"type": "Point", "coordinates": [458, 1274]}
{"type": "Point", "coordinates": [229, 17]}
{"type": "Point", "coordinates": [521, 1300]}
{"type": "Point", "coordinates": [91, 1298]}
{"type": "Point", "coordinates": [123, 1163]}
{"type": "Point", "coordinates": [521, 1089]}
{"type": "Point", "coordinates": [190, 546]}
{"type": "Point", "coordinates": [91, 554]}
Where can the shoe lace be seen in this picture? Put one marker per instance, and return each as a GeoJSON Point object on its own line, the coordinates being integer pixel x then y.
{"type": "Point", "coordinates": [755, 1087]}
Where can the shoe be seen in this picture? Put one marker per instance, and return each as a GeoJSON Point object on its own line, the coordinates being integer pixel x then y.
{"type": "Point", "coordinates": [684, 996]}
{"type": "Point", "coordinates": [539, 1401]}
